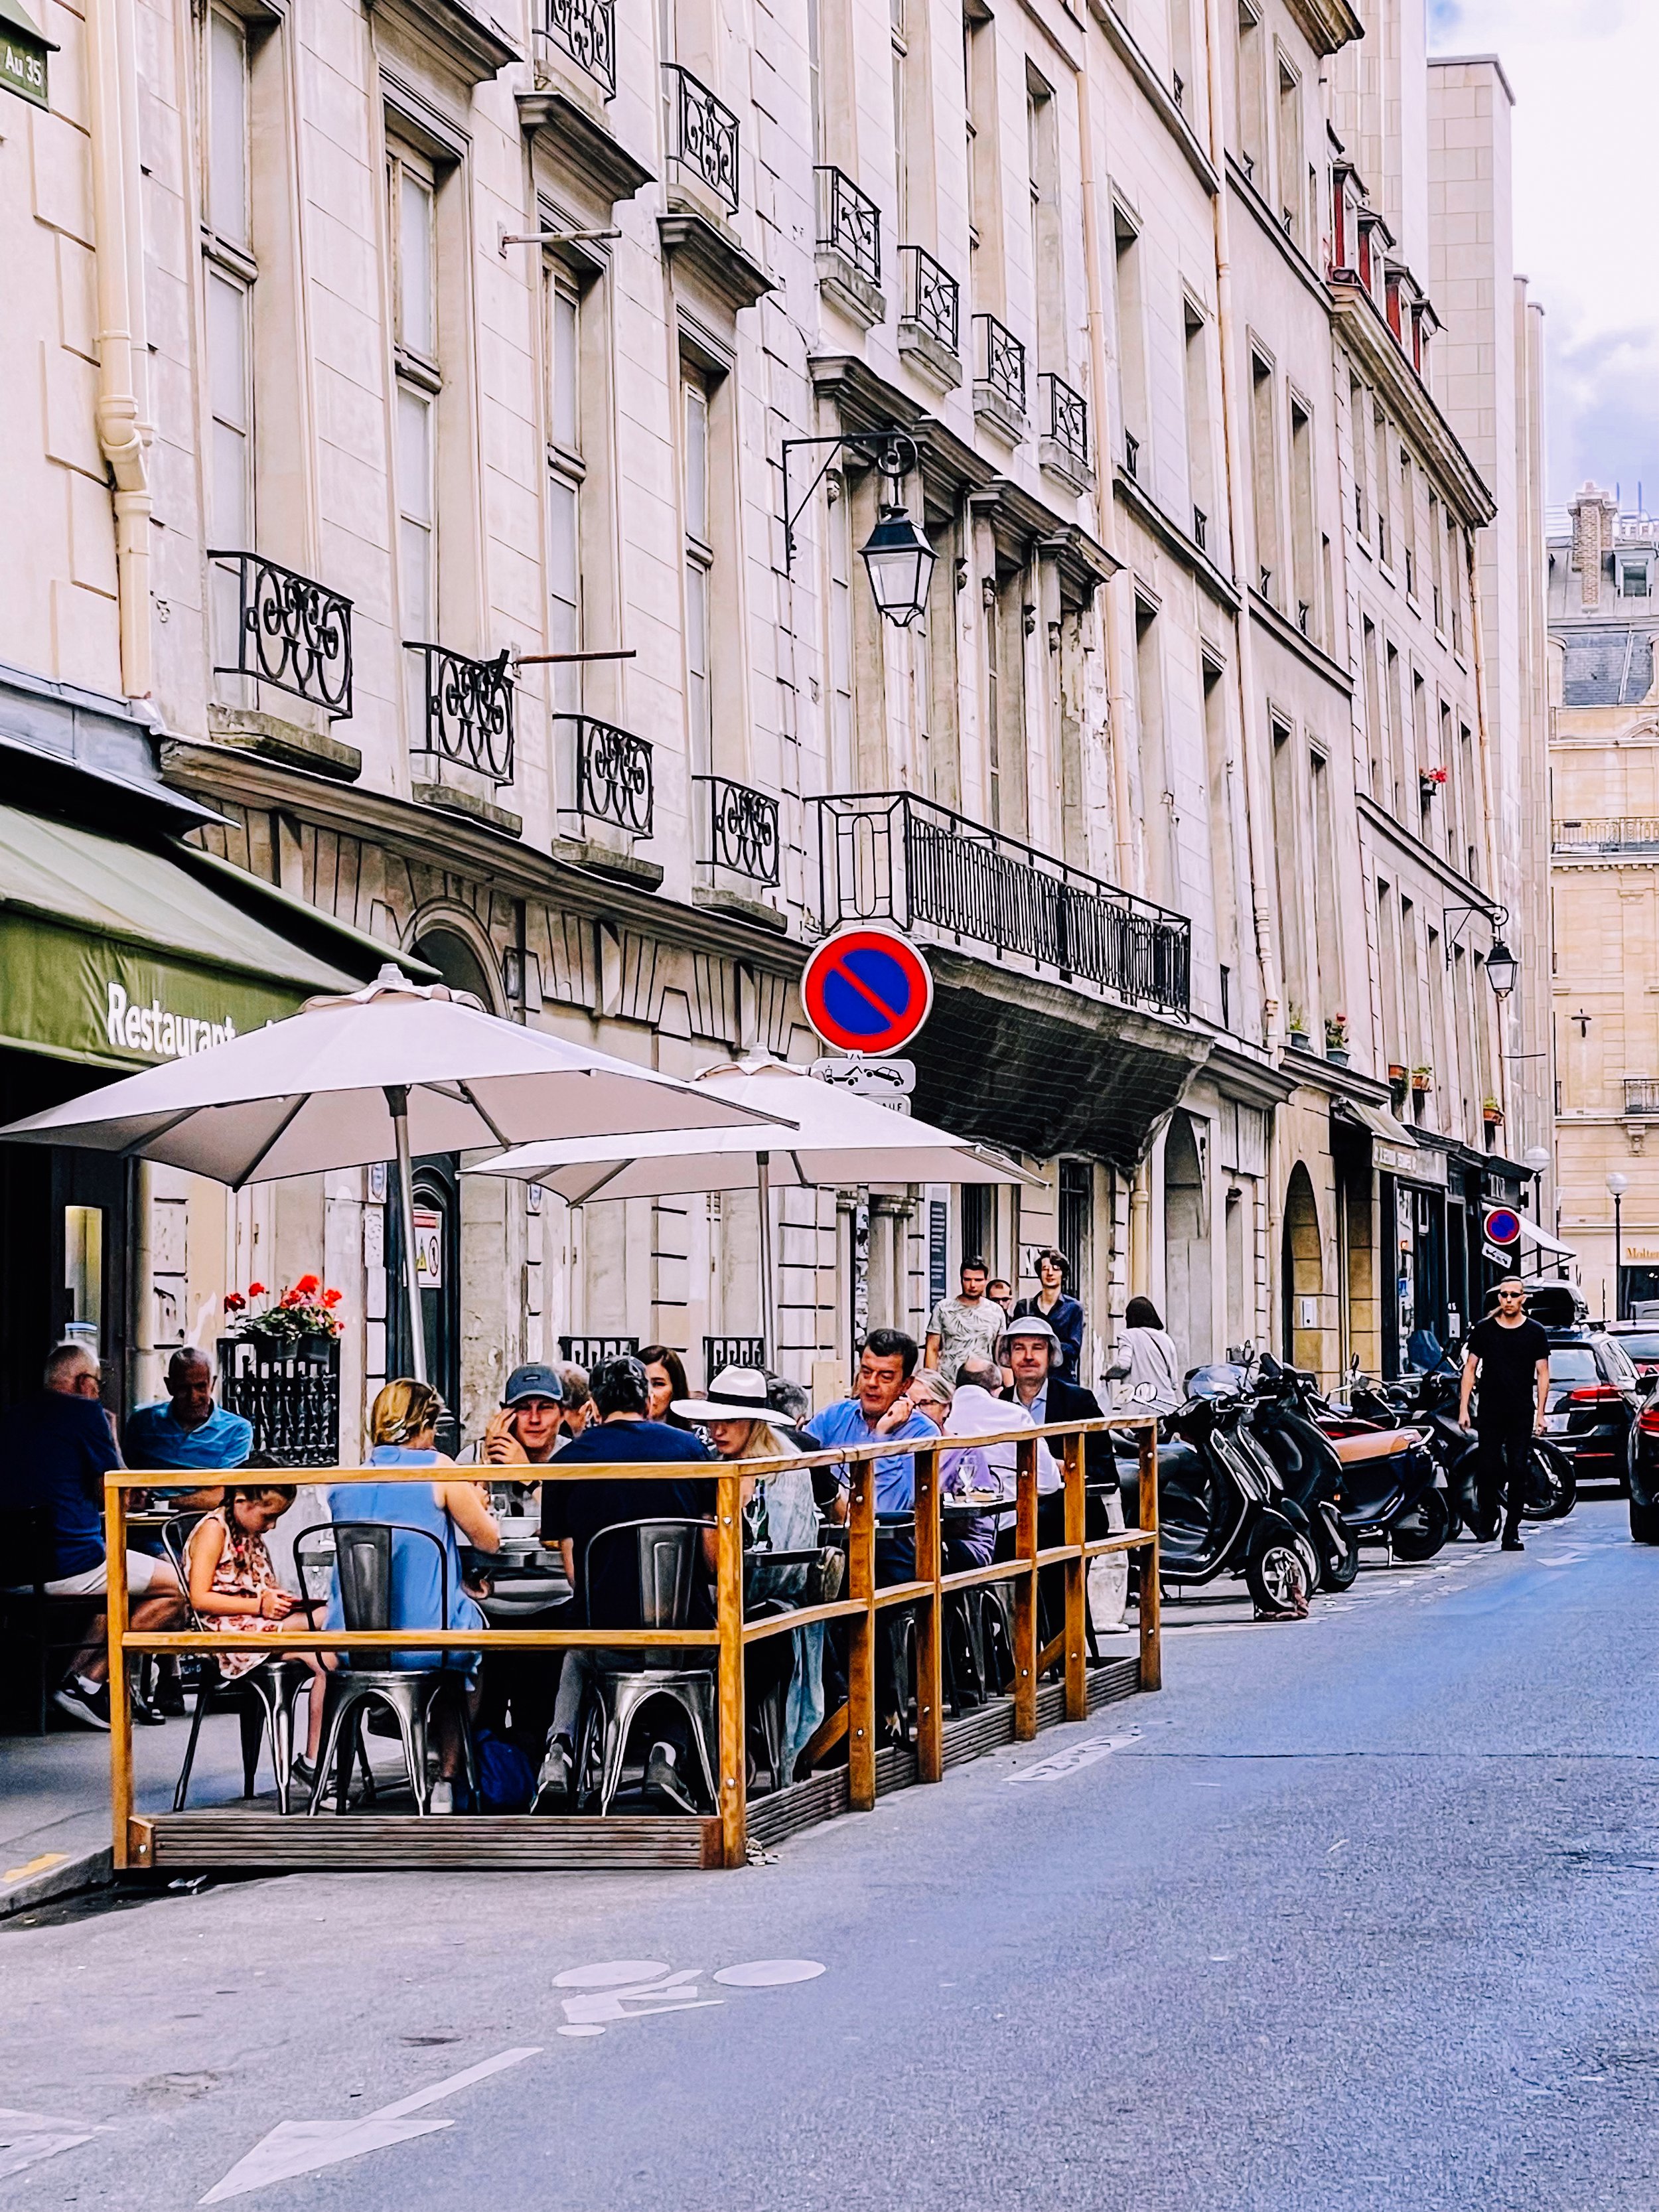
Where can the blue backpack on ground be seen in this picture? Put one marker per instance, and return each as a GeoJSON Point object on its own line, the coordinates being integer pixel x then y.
{"type": "Point", "coordinates": [506, 1780]}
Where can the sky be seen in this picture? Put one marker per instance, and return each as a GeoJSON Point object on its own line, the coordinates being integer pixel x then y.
{"type": "Point", "coordinates": [1583, 73]}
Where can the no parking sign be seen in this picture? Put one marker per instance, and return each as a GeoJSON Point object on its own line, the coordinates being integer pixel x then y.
{"type": "Point", "coordinates": [866, 989]}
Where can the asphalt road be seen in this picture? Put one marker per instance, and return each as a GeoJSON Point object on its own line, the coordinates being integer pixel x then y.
{"type": "Point", "coordinates": [1363, 1916]}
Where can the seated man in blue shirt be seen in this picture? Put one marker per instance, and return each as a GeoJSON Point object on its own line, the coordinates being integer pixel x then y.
{"type": "Point", "coordinates": [59, 1446]}
{"type": "Point", "coordinates": [878, 1409]}
{"type": "Point", "coordinates": [185, 1430]}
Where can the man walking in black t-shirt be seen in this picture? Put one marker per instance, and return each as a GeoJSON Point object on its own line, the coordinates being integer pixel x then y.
{"type": "Point", "coordinates": [1511, 1356]}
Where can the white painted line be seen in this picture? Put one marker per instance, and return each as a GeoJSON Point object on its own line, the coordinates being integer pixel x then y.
{"type": "Point", "coordinates": [294, 2147]}
{"type": "Point", "coordinates": [769, 1973]}
{"type": "Point", "coordinates": [28, 2137]}
{"type": "Point", "coordinates": [1072, 1758]}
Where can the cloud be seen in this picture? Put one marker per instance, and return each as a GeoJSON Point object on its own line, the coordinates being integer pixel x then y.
{"type": "Point", "coordinates": [1582, 72]}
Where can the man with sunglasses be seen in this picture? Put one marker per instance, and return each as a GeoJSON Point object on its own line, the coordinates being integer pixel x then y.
{"type": "Point", "coordinates": [1510, 1355]}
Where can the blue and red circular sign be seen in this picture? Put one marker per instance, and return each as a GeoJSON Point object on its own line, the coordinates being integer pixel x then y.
{"type": "Point", "coordinates": [1502, 1226]}
{"type": "Point", "coordinates": [866, 990]}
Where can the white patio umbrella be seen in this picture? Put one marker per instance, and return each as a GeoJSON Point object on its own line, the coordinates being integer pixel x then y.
{"type": "Point", "coordinates": [839, 1137]}
{"type": "Point", "coordinates": [394, 1069]}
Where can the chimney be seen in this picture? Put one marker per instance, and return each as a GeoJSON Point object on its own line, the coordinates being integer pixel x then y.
{"type": "Point", "coordinates": [1594, 513]}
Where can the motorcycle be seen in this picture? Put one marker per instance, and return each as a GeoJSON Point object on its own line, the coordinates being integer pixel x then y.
{"type": "Point", "coordinates": [1222, 1509]}
{"type": "Point", "coordinates": [1388, 1484]}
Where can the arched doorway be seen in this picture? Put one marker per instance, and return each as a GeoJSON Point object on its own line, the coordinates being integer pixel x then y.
{"type": "Point", "coordinates": [1189, 1284]}
{"type": "Point", "coordinates": [443, 947]}
{"type": "Point", "coordinates": [1302, 1274]}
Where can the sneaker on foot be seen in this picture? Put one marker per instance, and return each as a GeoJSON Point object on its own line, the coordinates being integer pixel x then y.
{"type": "Point", "coordinates": [442, 1799]}
{"type": "Point", "coordinates": [553, 1783]}
{"type": "Point", "coordinates": [1512, 1544]}
{"type": "Point", "coordinates": [89, 1707]}
{"type": "Point", "coordinates": [663, 1779]}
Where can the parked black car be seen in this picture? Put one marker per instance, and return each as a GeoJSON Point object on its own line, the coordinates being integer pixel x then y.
{"type": "Point", "coordinates": [1639, 1341]}
{"type": "Point", "coordinates": [1595, 1395]}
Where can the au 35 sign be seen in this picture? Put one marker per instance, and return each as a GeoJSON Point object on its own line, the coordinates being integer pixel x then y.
{"type": "Point", "coordinates": [23, 51]}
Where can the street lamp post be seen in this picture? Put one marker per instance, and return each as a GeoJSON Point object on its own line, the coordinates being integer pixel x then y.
{"type": "Point", "coordinates": [1617, 1185]}
{"type": "Point", "coordinates": [1536, 1159]}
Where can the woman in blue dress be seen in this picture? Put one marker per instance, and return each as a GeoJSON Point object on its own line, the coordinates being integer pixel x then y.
{"type": "Point", "coordinates": [403, 1431]}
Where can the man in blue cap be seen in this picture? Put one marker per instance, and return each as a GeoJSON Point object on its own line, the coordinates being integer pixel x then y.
{"type": "Point", "coordinates": [526, 1432]}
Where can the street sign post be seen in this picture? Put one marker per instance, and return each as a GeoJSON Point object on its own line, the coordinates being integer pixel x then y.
{"type": "Point", "coordinates": [866, 990]}
{"type": "Point", "coordinates": [1503, 1227]}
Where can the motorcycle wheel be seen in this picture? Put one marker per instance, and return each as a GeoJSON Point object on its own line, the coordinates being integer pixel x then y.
{"type": "Point", "coordinates": [1557, 1482]}
{"type": "Point", "coordinates": [1276, 1572]}
{"type": "Point", "coordinates": [1339, 1574]}
{"type": "Point", "coordinates": [1421, 1534]}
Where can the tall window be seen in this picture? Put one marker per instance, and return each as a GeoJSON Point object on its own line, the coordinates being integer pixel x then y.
{"type": "Point", "coordinates": [229, 273]}
{"type": "Point", "coordinates": [1264, 476]}
{"type": "Point", "coordinates": [1437, 566]}
{"type": "Point", "coordinates": [1181, 52]}
{"type": "Point", "coordinates": [1375, 733]}
{"type": "Point", "coordinates": [1131, 344]}
{"type": "Point", "coordinates": [1408, 520]}
{"type": "Point", "coordinates": [1357, 421]}
{"type": "Point", "coordinates": [1394, 701]}
{"type": "Point", "coordinates": [412, 197]}
{"type": "Point", "coordinates": [1302, 520]}
{"type": "Point", "coordinates": [1156, 802]}
{"type": "Point", "coordinates": [993, 617]}
{"type": "Point", "coordinates": [565, 470]}
{"type": "Point", "coordinates": [699, 570]}
{"type": "Point", "coordinates": [1048, 257]}
{"type": "Point", "coordinates": [1200, 431]}
{"type": "Point", "coordinates": [1290, 165]}
{"type": "Point", "coordinates": [1380, 483]}
{"type": "Point", "coordinates": [1252, 90]}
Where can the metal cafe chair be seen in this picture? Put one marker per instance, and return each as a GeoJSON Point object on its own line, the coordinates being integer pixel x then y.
{"type": "Point", "coordinates": [668, 1555]}
{"type": "Point", "coordinates": [45, 1628]}
{"type": "Point", "coordinates": [264, 1698]}
{"type": "Point", "coordinates": [363, 1553]}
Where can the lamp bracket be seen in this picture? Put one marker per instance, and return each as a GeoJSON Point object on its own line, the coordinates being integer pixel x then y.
{"type": "Point", "coordinates": [886, 447]}
{"type": "Point", "coordinates": [1496, 915]}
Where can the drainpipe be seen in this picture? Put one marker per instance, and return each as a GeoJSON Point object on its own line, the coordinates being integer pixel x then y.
{"type": "Point", "coordinates": [1256, 797]}
{"type": "Point", "coordinates": [1478, 647]}
{"type": "Point", "coordinates": [122, 434]}
{"type": "Point", "coordinates": [1120, 708]}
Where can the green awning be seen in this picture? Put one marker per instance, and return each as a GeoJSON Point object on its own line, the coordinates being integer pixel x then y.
{"type": "Point", "coordinates": [113, 955]}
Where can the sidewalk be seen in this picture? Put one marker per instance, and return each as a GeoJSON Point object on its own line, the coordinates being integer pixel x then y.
{"type": "Point", "coordinates": [54, 1800]}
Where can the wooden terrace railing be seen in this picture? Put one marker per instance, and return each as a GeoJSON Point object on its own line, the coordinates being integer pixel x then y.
{"type": "Point", "coordinates": [230, 1838]}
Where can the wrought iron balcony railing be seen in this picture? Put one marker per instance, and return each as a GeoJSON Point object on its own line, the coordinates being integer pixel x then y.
{"type": "Point", "coordinates": [743, 830]}
{"type": "Point", "coordinates": [1613, 833]}
{"type": "Point", "coordinates": [1641, 1098]}
{"type": "Point", "coordinates": [1001, 361]}
{"type": "Point", "coordinates": [586, 30]}
{"type": "Point", "coordinates": [469, 710]}
{"type": "Point", "coordinates": [613, 778]}
{"type": "Point", "coordinates": [290, 632]}
{"type": "Point", "coordinates": [889, 856]}
{"type": "Point", "coordinates": [931, 295]}
{"type": "Point", "coordinates": [702, 133]}
{"type": "Point", "coordinates": [849, 221]}
{"type": "Point", "coordinates": [1066, 416]}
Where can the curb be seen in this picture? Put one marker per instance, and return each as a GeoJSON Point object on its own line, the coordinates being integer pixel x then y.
{"type": "Point", "coordinates": [52, 1875]}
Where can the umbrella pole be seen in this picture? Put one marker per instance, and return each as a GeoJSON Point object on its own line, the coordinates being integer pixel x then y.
{"type": "Point", "coordinates": [396, 1097]}
{"type": "Point", "coordinates": [763, 1191]}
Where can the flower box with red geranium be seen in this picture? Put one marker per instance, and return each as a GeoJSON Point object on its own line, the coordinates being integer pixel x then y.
{"type": "Point", "coordinates": [279, 1367]}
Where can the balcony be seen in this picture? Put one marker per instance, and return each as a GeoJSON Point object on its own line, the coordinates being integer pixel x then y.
{"type": "Point", "coordinates": [284, 630]}
{"type": "Point", "coordinates": [702, 135]}
{"type": "Point", "coordinates": [888, 856]}
{"type": "Point", "coordinates": [849, 247]}
{"type": "Point", "coordinates": [998, 378]}
{"type": "Point", "coordinates": [463, 709]}
{"type": "Point", "coordinates": [585, 30]}
{"type": "Point", "coordinates": [742, 829]}
{"type": "Point", "coordinates": [613, 779]}
{"type": "Point", "coordinates": [1641, 1098]}
{"type": "Point", "coordinates": [1612, 832]}
{"type": "Point", "coordinates": [929, 317]}
{"type": "Point", "coordinates": [1063, 441]}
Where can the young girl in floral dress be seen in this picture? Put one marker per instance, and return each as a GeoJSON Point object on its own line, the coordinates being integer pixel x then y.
{"type": "Point", "coordinates": [234, 1585]}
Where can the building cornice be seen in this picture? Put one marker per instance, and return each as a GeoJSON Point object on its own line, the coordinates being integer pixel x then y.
{"type": "Point", "coordinates": [1327, 25]}
{"type": "Point", "coordinates": [583, 148]}
{"type": "Point", "coordinates": [1362, 329]}
{"type": "Point", "coordinates": [1424, 856]}
{"type": "Point", "coordinates": [1239, 1074]}
{"type": "Point", "coordinates": [714, 258]}
{"type": "Point", "coordinates": [477, 49]}
{"type": "Point", "coordinates": [1175, 541]}
{"type": "Point", "coordinates": [1281, 626]}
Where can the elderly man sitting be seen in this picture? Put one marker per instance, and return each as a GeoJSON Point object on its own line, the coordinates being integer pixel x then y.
{"type": "Point", "coordinates": [59, 1448]}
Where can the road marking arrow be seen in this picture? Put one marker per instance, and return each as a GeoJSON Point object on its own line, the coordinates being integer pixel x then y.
{"type": "Point", "coordinates": [1076, 1755]}
{"type": "Point", "coordinates": [28, 2137]}
{"type": "Point", "coordinates": [302, 2146]}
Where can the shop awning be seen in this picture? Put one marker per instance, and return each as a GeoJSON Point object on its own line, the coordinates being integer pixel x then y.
{"type": "Point", "coordinates": [1532, 1234]}
{"type": "Point", "coordinates": [1377, 1119]}
{"type": "Point", "coordinates": [117, 956]}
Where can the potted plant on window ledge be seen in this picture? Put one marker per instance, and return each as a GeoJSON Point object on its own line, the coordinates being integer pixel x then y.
{"type": "Point", "coordinates": [279, 1366]}
{"type": "Point", "coordinates": [1491, 1113]}
{"type": "Point", "coordinates": [1298, 1029]}
{"type": "Point", "coordinates": [1422, 1081]}
{"type": "Point", "coordinates": [1336, 1040]}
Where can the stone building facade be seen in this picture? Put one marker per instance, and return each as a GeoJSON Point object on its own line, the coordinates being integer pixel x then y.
{"type": "Point", "coordinates": [1604, 808]}
{"type": "Point", "coordinates": [408, 345]}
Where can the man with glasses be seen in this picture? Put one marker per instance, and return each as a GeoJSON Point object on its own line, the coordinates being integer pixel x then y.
{"type": "Point", "coordinates": [1512, 1357]}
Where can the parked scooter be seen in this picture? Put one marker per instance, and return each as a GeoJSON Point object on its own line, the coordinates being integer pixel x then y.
{"type": "Point", "coordinates": [1430, 1402]}
{"type": "Point", "coordinates": [1391, 1488]}
{"type": "Point", "coordinates": [1308, 1466]}
{"type": "Point", "coordinates": [1222, 1507]}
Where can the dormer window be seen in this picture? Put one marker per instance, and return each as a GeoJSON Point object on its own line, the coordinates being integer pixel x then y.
{"type": "Point", "coordinates": [1634, 569]}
